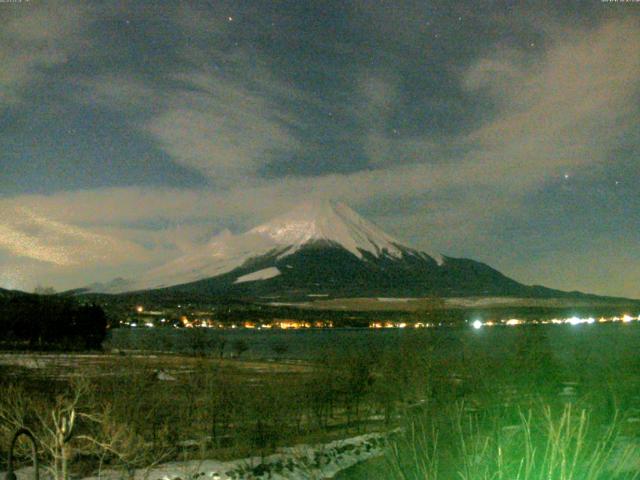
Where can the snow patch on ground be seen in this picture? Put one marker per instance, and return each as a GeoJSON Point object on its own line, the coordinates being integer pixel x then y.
{"type": "Point", "coordinates": [391, 299]}
{"type": "Point", "coordinates": [319, 461]}
{"type": "Point", "coordinates": [289, 304]}
{"type": "Point", "coordinates": [263, 274]}
{"type": "Point", "coordinates": [481, 301]}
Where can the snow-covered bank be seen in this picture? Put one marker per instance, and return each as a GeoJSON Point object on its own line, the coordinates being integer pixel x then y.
{"type": "Point", "coordinates": [319, 461]}
{"type": "Point", "coordinates": [300, 462]}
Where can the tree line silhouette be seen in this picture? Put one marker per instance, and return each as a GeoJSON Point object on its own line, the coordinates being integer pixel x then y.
{"type": "Point", "coordinates": [47, 321]}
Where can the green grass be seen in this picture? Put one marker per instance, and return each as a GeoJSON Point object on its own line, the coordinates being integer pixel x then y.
{"type": "Point", "coordinates": [472, 407]}
{"type": "Point", "coordinates": [544, 443]}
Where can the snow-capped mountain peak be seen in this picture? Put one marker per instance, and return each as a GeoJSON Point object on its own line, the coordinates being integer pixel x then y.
{"type": "Point", "coordinates": [319, 249]}
{"type": "Point", "coordinates": [331, 222]}
{"type": "Point", "coordinates": [310, 222]}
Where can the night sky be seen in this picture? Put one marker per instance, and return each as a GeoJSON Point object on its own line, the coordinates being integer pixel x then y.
{"type": "Point", "coordinates": [506, 132]}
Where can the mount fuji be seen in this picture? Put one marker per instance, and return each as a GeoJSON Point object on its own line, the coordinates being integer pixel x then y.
{"type": "Point", "coordinates": [320, 249]}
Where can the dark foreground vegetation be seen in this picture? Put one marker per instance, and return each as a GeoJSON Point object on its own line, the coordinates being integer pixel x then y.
{"type": "Point", "coordinates": [132, 412]}
{"type": "Point", "coordinates": [46, 322]}
{"type": "Point", "coordinates": [513, 406]}
{"type": "Point", "coordinates": [530, 412]}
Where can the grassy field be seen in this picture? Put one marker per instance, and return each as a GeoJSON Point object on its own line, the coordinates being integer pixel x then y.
{"type": "Point", "coordinates": [135, 410]}
{"type": "Point", "coordinates": [508, 403]}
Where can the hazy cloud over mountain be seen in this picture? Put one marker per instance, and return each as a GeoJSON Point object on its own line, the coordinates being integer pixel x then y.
{"type": "Point", "coordinates": [132, 133]}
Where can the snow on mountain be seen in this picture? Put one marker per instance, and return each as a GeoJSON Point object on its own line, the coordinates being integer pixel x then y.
{"type": "Point", "coordinates": [324, 221]}
{"type": "Point", "coordinates": [221, 255]}
{"type": "Point", "coordinates": [320, 221]}
{"type": "Point", "coordinates": [264, 274]}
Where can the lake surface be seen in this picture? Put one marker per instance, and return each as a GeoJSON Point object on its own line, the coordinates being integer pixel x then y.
{"type": "Point", "coordinates": [596, 343]}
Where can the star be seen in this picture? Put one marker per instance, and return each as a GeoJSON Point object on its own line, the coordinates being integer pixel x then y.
{"type": "Point", "coordinates": [230, 19]}
{"type": "Point", "coordinates": [566, 176]}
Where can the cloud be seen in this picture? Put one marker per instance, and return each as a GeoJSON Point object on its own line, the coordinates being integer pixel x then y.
{"type": "Point", "coordinates": [565, 111]}
{"type": "Point", "coordinates": [118, 92]}
{"type": "Point", "coordinates": [221, 128]}
{"type": "Point", "coordinates": [217, 107]}
{"type": "Point", "coordinates": [28, 234]}
{"type": "Point", "coordinates": [227, 115]}
{"type": "Point", "coordinates": [562, 111]}
{"type": "Point", "coordinates": [217, 125]}
{"type": "Point", "coordinates": [34, 38]}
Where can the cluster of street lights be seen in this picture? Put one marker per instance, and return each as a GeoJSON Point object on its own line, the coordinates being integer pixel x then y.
{"type": "Point", "coordinates": [478, 324]}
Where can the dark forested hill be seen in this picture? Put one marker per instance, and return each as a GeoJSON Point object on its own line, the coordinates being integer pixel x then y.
{"type": "Point", "coordinates": [47, 321]}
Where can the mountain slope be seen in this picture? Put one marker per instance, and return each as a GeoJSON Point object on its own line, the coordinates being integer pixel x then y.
{"type": "Point", "coordinates": [9, 294]}
{"type": "Point", "coordinates": [325, 268]}
{"type": "Point", "coordinates": [321, 249]}
{"type": "Point", "coordinates": [311, 223]}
